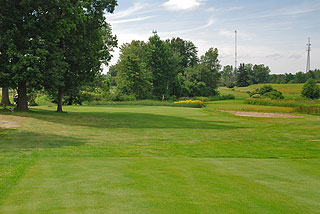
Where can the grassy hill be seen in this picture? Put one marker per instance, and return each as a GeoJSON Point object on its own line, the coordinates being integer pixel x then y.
{"type": "Point", "coordinates": [290, 91]}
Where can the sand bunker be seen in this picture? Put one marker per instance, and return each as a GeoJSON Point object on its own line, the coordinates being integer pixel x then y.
{"type": "Point", "coordinates": [259, 114]}
{"type": "Point", "coordinates": [10, 121]}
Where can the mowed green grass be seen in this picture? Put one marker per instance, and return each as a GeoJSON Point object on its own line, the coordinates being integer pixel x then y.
{"type": "Point", "coordinates": [140, 159]}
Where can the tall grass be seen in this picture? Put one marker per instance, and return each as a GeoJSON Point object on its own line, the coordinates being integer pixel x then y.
{"type": "Point", "coordinates": [268, 102]}
{"type": "Point", "coordinates": [282, 103]}
{"type": "Point", "coordinates": [211, 98]}
{"type": "Point", "coordinates": [301, 106]}
{"type": "Point", "coordinates": [308, 110]}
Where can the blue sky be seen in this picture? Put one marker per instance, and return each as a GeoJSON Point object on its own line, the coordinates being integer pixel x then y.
{"type": "Point", "coordinates": [270, 32]}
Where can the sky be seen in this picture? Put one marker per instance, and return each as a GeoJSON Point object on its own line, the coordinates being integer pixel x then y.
{"type": "Point", "coordinates": [273, 32]}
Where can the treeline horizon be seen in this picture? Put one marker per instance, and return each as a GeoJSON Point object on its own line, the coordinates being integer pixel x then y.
{"type": "Point", "coordinates": [57, 48]}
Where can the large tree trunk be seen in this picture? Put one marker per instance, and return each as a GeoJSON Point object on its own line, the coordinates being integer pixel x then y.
{"type": "Point", "coordinates": [5, 96]}
{"type": "Point", "coordinates": [60, 97]}
{"type": "Point", "coordinates": [22, 97]}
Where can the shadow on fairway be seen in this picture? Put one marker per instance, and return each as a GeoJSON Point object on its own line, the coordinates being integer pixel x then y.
{"type": "Point", "coordinates": [127, 120]}
{"type": "Point", "coordinates": [18, 140]}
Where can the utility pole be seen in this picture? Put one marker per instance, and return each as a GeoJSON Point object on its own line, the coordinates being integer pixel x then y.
{"type": "Point", "coordinates": [236, 50]}
{"type": "Point", "coordinates": [308, 56]}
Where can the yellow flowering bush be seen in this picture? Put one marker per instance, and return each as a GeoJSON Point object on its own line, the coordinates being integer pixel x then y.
{"type": "Point", "coordinates": [188, 102]}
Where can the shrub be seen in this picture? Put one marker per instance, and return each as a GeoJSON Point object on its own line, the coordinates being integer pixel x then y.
{"type": "Point", "coordinates": [311, 89]}
{"type": "Point", "coordinates": [267, 92]}
{"type": "Point", "coordinates": [274, 95]}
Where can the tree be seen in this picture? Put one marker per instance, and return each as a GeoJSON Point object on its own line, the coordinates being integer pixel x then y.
{"type": "Point", "coordinates": [186, 50]}
{"type": "Point", "coordinates": [22, 45]}
{"type": "Point", "coordinates": [112, 74]}
{"type": "Point", "coordinates": [203, 78]}
{"type": "Point", "coordinates": [83, 44]}
{"type": "Point", "coordinates": [4, 72]}
{"type": "Point", "coordinates": [260, 73]}
{"type": "Point", "coordinates": [56, 44]}
{"type": "Point", "coordinates": [300, 77]}
{"type": "Point", "coordinates": [227, 75]}
{"type": "Point", "coordinates": [211, 77]}
{"type": "Point", "coordinates": [5, 96]}
{"type": "Point", "coordinates": [163, 64]}
{"type": "Point", "coordinates": [133, 78]}
{"type": "Point", "coordinates": [4, 75]}
{"type": "Point", "coordinates": [311, 89]}
{"type": "Point", "coordinates": [196, 76]}
{"type": "Point", "coordinates": [242, 76]}
{"type": "Point", "coordinates": [288, 77]}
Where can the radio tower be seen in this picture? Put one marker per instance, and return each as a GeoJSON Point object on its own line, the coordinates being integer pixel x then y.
{"type": "Point", "coordinates": [236, 50]}
{"type": "Point", "coordinates": [308, 57]}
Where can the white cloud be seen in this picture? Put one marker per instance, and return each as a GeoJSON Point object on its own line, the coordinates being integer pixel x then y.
{"type": "Point", "coordinates": [295, 56]}
{"type": "Point", "coordinates": [209, 23]}
{"type": "Point", "coordinates": [131, 20]}
{"type": "Point", "coordinates": [275, 56]}
{"type": "Point", "coordinates": [182, 5]}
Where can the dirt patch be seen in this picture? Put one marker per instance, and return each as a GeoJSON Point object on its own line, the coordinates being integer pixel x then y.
{"type": "Point", "coordinates": [7, 121]}
{"type": "Point", "coordinates": [260, 114]}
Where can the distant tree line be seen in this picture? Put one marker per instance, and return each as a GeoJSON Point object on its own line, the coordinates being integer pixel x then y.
{"type": "Point", "coordinates": [248, 74]}
{"type": "Point", "coordinates": [245, 75]}
{"type": "Point", "coordinates": [299, 77]}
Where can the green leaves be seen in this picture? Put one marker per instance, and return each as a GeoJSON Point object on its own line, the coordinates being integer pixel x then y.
{"type": "Point", "coordinates": [311, 89]}
{"type": "Point", "coordinates": [168, 68]}
{"type": "Point", "coordinates": [54, 44]}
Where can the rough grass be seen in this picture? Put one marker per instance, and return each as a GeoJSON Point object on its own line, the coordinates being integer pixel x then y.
{"type": "Point", "coordinates": [301, 106]}
{"type": "Point", "coordinates": [239, 95]}
{"type": "Point", "coordinates": [147, 103]}
{"type": "Point", "coordinates": [157, 159]}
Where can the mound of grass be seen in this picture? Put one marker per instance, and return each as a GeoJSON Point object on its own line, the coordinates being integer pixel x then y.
{"type": "Point", "coordinates": [239, 95]}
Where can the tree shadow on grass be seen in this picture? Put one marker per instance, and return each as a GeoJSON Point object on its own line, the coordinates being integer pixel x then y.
{"type": "Point", "coordinates": [127, 120]}
{"type": "Point", "coordinates": [14, 140]}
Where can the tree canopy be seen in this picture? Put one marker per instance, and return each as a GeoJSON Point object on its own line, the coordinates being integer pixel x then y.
{"type": "Point", "coordinates": [57, 45]}
{"type": "Point", "coordinates": [168, 68]}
